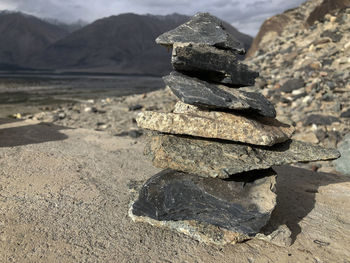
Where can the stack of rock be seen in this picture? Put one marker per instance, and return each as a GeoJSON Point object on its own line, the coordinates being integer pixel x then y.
{"type": "Point", "coordinates": [218, 145]}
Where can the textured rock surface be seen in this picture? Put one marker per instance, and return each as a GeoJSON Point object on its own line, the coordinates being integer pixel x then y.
{"type": "Point", "coordinates": [210, 210]}
{"type": "Point", "coordinates": [203, 28]}
{"type": "Point", "coordinates": [343, 163]}
{"type": "Point", "coordinates": [190, 120]}
{"type": "Point", "coordinates": [200, 93]}
{"type": "Point", "coordinates": [223, 159]}
{"type": "Point", "coordinates": [292, 84]}
{"type": "Point", "coordinates": [320, 119]}
{"type": "Point", "coordinates": [280, 237]}
{"type": "Point", "coordinates": [210, 63]}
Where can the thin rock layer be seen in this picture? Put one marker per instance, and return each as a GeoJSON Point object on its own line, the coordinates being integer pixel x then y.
{"type": "Point", "coordinates": [189, 120]}
{"type": "Point", "coordinates": [224, 159]}
{"type": "Point", "coordinates": [203, 28]}
{"type": "Point", "coordinates": [201, 93]}
{"type": "Point", "coordinates": [212, 64]}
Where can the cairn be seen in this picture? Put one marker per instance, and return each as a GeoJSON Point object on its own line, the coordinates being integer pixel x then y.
{"type": "Point", "coordinates": [218, 145]}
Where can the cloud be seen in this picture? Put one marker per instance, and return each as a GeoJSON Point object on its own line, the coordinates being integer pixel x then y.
{"type": "Point", "coordinates": [7, 5]}
{"type": "Point", "coordinates": [246, 15]}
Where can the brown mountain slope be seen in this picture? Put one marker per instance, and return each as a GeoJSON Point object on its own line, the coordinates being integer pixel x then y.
{"type": "Point", "coordinates": [304, 16]}
{"type": "Point", "coordinates": [276, 25]}
{"type": "Point", "coordinates": [327, 6]}
{"type": "Point", "coordinates": [24, 35]}
{"type": "Point", "coordinates": [305, 73]}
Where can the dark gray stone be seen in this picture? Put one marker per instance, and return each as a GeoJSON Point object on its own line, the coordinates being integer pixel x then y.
{"type": "Point", "coordinates": [212, 64]}
{"type": "Point", "coordinates": [203, 94]}
{"type": "Point", "coordinates": [135, 107]}
{"type": "Point", "coordinates": [224, 159]}
{"type": "Point", "coordinates": [298, 96]}
{"type": "Point", "coordinates": [345, 114]}
{"type": "Point", "coordinates": [242, 205]}
{"type": "Point", "coordinates": [203, 28]}
{"type": "Point", "coordinates": [342, 165]}
{"type": "Point", "coordinates": [292, 84]}
{"type": "Point", "coordinates": [334, 35]}
{"type": "Point", "coordinates": [320, 119]}
{"type": "Point", "coordinates": [132, 133]}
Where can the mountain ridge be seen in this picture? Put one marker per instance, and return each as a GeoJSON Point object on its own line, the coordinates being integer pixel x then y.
{"type": "Point", "coordinates": [23, 35]}
{"type": "Point", "coordinates": [121, 44]}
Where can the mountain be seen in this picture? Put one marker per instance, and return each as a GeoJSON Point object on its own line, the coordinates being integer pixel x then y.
{"type": "Point", "coordinates": [117, 44]}
{"type": "Point", "coordinates": [122, 44]}
{"type": "Point", "coordinates": [303, 17]}
{"type": "Point", "coordinates": [70, 27]}
{"type": "Point", "coordinates": [22, 36]}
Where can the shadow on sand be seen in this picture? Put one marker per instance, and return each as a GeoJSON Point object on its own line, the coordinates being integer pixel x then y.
{"type": "Point", "coordinates": [296, 196]}
{"type": "Point", "coordinates": [29, 134]}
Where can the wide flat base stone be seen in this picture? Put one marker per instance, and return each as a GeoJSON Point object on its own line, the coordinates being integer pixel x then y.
{"type": "Point", "coordinates": [207, 209]}
{"type": "Point", "coordinates": [190, 120]}
{"type": "Point", "coordinates": [224, 159]}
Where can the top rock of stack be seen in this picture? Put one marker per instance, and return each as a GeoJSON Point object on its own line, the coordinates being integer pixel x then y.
{"type": "Point", "coordinates": [203, 28]}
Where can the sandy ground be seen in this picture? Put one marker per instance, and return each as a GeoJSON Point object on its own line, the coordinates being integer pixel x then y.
{"type": "Point", "coordinates": [64, 197]}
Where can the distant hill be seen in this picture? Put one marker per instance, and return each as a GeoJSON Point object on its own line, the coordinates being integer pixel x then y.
{"type": "Point", "coordinates": [122, 44]}
{"type": "Point", "coordinates": [70, 27]}
{"type": "Point", "coordinates": [22, 36]}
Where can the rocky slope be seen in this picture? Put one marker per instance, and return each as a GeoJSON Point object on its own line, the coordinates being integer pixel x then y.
{"type": "Point", "coordinates": [304, 71]}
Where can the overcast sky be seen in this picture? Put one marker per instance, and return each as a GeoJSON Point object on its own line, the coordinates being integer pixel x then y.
{"type": "Point", "coordinates": [245, 15]}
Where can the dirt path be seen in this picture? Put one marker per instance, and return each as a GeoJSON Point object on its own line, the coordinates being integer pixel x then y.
{"type": "Point", "coordinates": [64, 196]}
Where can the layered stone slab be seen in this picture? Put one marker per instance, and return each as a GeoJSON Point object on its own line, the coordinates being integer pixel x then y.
{"type": "Point", "coordinates": [207, 209]}
{"type": "Point", "coordinates": [201, 93]}
{"type": "Point", "coordinates": [203, 28]}
{"type": "Point", "coordinates": [223, 159]}
{"type": "Point", "coordinates": [190, 120]}
{"type": "Point", "coordinates": [213, 64]}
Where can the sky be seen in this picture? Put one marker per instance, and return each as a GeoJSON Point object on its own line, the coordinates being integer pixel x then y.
{"type": "Point", "coordinates": [245, 15]}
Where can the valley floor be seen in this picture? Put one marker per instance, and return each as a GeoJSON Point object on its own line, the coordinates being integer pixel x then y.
{"type": "Point", "coordinates": [65, 194]}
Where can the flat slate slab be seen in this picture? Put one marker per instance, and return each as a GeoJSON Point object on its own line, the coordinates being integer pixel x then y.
{"type": "Point", "coordinates": [207, 209]}
{"type": "Point", "coordinates": [201, 93]}
{"type": "Point", "coordinates": [203, 28]}
{"type": "Point", "coordinates": [190, 120]}
{"type": "Point", "coordinates": [224, 159]}
{"type": "Point", "coordinates": [212, 64]}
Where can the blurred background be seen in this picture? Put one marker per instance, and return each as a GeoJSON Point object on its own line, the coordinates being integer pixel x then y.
{"type": "Point", "coordinates": [77, 62]}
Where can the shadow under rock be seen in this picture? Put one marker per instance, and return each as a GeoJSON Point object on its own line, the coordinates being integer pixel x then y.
{"type": "Point", "coordinates": [31, 134]}
{"type": "Point", "coordinates": [296, 196]}
{"type": "Point", "coordinates": [7, 120]}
